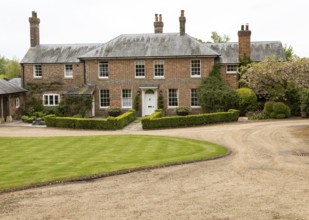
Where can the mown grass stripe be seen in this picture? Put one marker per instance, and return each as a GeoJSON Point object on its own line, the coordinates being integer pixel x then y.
{"type": "Point", "coordinates": [25, 161]}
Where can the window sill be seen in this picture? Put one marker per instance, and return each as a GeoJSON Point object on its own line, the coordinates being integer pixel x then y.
{"type": "Point", "coordinates": [103, 78]}
{"type": "Point", "coordinates": [37, 77]}
{"type": "Point", "coordinates": [172, 107]}
{"type": "Point", "coordinates": [195, 76]}
{"type": "Point", "coordinates": [196, 107]}
{"type": "Point", "coordinates": [231, 73]}
{"type": "Point", "coordinates": [105, 107]}
{"type": "Point", "coordinates": [159, 77]}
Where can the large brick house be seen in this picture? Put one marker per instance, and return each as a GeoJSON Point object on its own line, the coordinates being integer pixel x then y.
{"type": "Point", "coordinates": [144, 65]}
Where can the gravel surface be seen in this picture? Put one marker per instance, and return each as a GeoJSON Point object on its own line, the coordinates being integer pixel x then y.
{"type": "Point", "coordinates": [266, 177]}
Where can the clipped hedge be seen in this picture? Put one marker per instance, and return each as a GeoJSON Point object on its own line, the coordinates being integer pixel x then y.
{"type": "Point", "coordinates": [152, 121]}
{"type": "Point", "coordinates": [111, 123]}
{"type": "Point", "coordinates": [277, 110]}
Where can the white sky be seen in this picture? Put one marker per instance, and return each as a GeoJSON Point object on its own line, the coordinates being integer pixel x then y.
{"type": "Point", "coordinates": [98, 21]}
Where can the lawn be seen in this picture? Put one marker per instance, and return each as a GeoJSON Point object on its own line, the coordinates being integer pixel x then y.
{"type": "Point", "coordinates": [26, 161]}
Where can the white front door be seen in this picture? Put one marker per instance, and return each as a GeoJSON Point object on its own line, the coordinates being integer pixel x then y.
{"type": "Point", "coordinates": [149, 102]}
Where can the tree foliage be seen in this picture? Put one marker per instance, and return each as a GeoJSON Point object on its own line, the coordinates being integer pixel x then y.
{"type": "Point", "coordinates": [274, 80]}
{"type": "Point", "coordinates": [9, 68]}
{"type": "Point", "coordinates": [289, 53]}
{"type": "Point", "coordinates": [216, 95]}
{"type": "Point", "coordinates": [217, 38]}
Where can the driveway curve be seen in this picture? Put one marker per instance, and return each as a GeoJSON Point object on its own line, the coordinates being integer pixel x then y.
{"type": "Point", "coordinates": [266, 177]}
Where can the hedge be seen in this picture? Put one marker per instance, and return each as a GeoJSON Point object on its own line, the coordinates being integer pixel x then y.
{"type": "Point", "coordinates": [111, 123]}
{"type": "Point", "coordinates": [154, 121]}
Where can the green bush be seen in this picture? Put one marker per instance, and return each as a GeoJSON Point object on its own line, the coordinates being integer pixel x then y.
{"type": "Point", "coordinates": [268, 107]}
{"type": "Point", "coordinates": [27, 119]}
{"type": "Point", "coordinates": [111, 123]}
{"type": "Point", "coordinates": [215, 95]}
{"type": "Point", "coordinates": [152, 121]}
{"type": "Point", "coordinates": [277, 110]}
{"type": "Point", "coordinates": [304, 100]}
{"type": "Point", "coordinates": [247, 100]}
{"type": "Point", "coordinates": [182, 111]}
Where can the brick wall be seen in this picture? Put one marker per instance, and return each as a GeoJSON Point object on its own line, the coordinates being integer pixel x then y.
{"type": "Point", "coordinates": [231, 79]}
{"type": "Point", "coordinates": [177, 75]}
{"type": "Point", "coordinates": [53, 74]}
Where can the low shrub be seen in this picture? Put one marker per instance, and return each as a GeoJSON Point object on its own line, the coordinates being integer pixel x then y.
{"type": "Point", "coordinates": [114, 112]}
{"type": "Point", "coordinates": [257, 115]}
{"type": "Point", "coordinates": [182, 111]}
{"type": "Point", "coordinates": [111, 123]}
{"type": "Point", "coordinates": [277, 110]}
{"type": "Point", "coordinates": [152, 122]}
{"type": "Point", "coordinates": [27, 119]}
{"type": "Point", "coordinates": [247, 100]}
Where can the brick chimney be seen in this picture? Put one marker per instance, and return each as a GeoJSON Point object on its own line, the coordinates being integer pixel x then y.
{"type": "Point", "coordinates": [244, 42]}
{"type": "Point", "coordinates": [182, 22]}
{"type": "Point", "coordinates": [34, 30]}
{"type": "Point", "coordinates": [158, 24]}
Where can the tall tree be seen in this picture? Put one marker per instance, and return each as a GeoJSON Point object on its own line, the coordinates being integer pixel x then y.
{"type": "Point", "coordinates": [216, 38]}
{"type": "Point", "coordinates": [12, 69]}
{"type": "Point", "coordinates": [289, 53]}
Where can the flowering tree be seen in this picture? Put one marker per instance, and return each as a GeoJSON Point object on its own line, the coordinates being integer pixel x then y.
{"type": "Point", "coordinates": [272, 79]}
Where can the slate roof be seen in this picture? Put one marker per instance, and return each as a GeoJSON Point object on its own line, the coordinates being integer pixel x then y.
{"type": "Point", "coordinates": [151, 45]}
{"type": "Point", "coordinates": [84, 90]}
{"type": "Point", "coordinates": [9, 88]}
{"type": "Point", "coordinates": [53, 53]}
{"type": "Point", "coordinates": [259, 51]}
{"type": "Point", "coordinates": [16, 81]}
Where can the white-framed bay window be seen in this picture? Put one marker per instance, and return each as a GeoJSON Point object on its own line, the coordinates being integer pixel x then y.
{"type": "Point", "coordinates": [51, 99]}
{"type": "Point", "coordinates": [126, 98]}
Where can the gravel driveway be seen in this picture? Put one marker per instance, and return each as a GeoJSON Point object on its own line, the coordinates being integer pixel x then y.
{"type": "Point", "coordinates": [266, 177]}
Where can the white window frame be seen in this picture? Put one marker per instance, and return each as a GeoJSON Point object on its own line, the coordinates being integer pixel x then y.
{"type": "Point", "coordinates": [126, 98]}
{"type": "Point", "coordinates": [195, 99]}
{"type": "Point", "coordinates": [104, 97]}
{"type": "Point", "coordinates": [103, 70]}
{"type": "Point", "coordinates": [17, 102]}
{"type": "Point", "coordinates": [232, 69]}
{"type": "Point", "coordinates": [194, 68]}
{"type": "Point", "coordinates": [68, 71]}
{"type": "Point", "coordinates": [156, 67]}
{"type": "Point", "coordinates": [139, 66]}
{"type": "Point", "coordinates": [177, 98]}
{"type": "Point", "coordinates": [37, 71]}
{"type": "Point", "coordinates": [49, 99]}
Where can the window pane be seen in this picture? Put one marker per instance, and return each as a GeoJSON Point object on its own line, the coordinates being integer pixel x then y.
{"type": "Point", "coordinates": [172, 97]}
{"type": "Point", "coordinates": [68, 71]}
{"type": "Point", "coordinates": [104, 98]}
{"type": "Point", "coordinates": [103, 69]}
{"type": "Point", "coordinates": [194, 98]}
{"type": "Point", "coordinates": [195, 67]}
{"type": "Point", "coordinates": [140, 68]}
{"type": "Point", "coordinates": [159, 68]}
{"type": "Point", "coordinates": [126, 98]}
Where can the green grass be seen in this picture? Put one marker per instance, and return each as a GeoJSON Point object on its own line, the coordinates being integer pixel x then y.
{"type": "Point", "coordinates": [25, 161]}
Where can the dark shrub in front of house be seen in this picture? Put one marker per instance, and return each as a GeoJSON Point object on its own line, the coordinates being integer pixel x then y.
{"type": "Point", "coordinates": [190, 120]}
{"type": "Point", "coordinates": [182, 111]}
{"type": "Point", "coordinates": [111, 123]}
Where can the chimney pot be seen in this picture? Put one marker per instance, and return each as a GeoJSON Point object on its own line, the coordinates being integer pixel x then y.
{"type": "Point", "coordinates": [158, 24]}
{"type": "Point", "coordinates": [160, 18]}
{"type": "Point", "coordinates": [242, 27]}
{"type": "Point", "coordinates": [247, 27]}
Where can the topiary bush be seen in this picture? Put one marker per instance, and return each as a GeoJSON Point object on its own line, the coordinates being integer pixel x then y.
{"type": "Point", "coordinates": [277, 110]}
{"type": "Point", "coordinates": [247, 100]}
